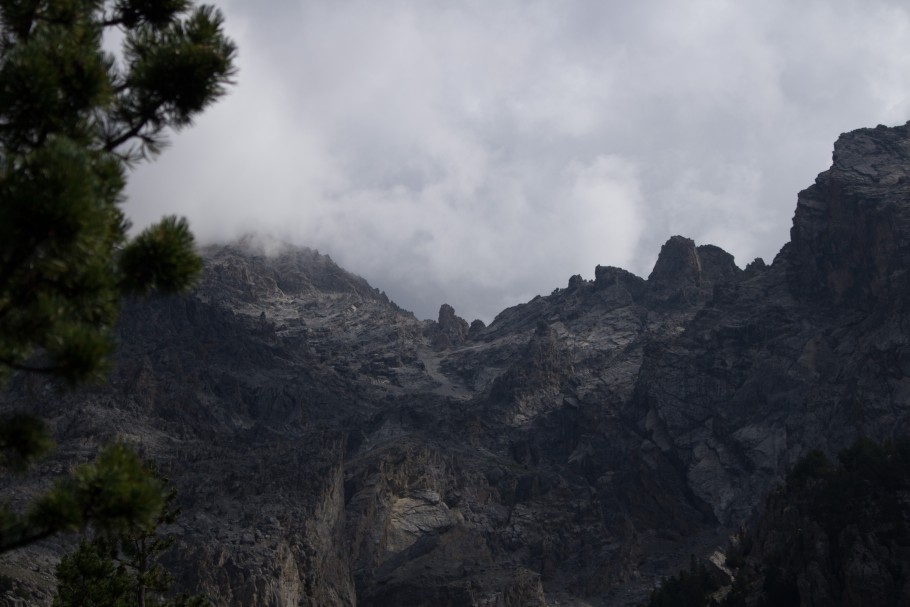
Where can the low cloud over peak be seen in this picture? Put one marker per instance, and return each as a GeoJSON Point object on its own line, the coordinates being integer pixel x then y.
{"type": "Point", "coordinates": [480, 153]}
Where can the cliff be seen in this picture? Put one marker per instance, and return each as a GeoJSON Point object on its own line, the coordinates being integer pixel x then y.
{"type": "Point", "coordinates": [330, 449]}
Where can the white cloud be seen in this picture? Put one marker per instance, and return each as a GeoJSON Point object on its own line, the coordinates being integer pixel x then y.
{"type": "Point", "coordinates": [602, 218]}
{"type": "Point", "coordinates": [479, 153]}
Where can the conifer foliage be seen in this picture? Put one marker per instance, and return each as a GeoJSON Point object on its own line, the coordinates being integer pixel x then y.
{"type": "Point", "coordinates": [74, 117]}
{"type": "Point", "coordinates": [122, 569]}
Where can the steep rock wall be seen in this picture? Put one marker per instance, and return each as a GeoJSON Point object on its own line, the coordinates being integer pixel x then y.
{"type": "Point", "coordinates": [330, 449]}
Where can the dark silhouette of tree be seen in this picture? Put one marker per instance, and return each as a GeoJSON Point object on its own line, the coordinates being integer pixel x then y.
{"type": "Point", "coordinates": [123, 568]}
{"type": "Point", "coordinates": [73, 119]}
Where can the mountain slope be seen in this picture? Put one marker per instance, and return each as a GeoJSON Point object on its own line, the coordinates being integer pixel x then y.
{"type": "Point", "coordinates": [331, 449]}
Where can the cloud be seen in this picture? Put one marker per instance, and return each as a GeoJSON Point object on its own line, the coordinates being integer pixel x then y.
{"type": "Point", "coordinates": [480, 153]}
{"type": "Point", "coordinates": [602, 219]}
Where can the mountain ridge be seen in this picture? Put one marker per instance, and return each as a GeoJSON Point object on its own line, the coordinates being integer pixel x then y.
{"type": "Point", "coordinates": [331, 449]}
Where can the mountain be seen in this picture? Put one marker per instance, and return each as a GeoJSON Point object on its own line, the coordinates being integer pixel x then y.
{"type": "Point", "coordinates": [329, 448]}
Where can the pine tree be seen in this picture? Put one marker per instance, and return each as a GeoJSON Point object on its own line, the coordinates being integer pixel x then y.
{"type": "Point", "coordinates": [90, 577]}
{"type": "Point", "coordinates": [73, 119]}
{"type": "Point", "coordinates": [116, 493]}
{"type": "Point", "coordinates": [122, 569]}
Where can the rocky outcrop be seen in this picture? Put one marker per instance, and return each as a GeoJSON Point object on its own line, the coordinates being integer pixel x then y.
{"type": "Point", "coordinates": [678, 265]}
{"type": "Point", "coordinates": [477, 326]}
{"type": "Point", "coordinates": [331, 449]}
{"type": "Point", "coordinates": [685, 275]}
{"type": "Point", "coordinates": [449, 330]}
{"type": "Point", "coordinates": [849, 238]}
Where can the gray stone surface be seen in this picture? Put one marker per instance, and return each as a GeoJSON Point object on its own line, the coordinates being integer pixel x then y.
{"type": "Point", "coordinates": [331, 449]}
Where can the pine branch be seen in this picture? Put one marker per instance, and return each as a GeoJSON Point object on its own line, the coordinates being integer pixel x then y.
{"type": "Point", "coordinates": [113, 21]}
{"type": "Point", "coordinates": [118, 140]}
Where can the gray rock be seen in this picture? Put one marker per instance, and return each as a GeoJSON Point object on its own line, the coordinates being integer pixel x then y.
{"type": "Point", "coordinates": [330, 449]}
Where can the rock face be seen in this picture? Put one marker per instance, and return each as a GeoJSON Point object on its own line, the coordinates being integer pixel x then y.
{"type": "Point", "coordinates": [449, 330]}
{"type": "Point", "coordinates": [849, 237]}
{"type": "Point", "coordinates": [330, 449]}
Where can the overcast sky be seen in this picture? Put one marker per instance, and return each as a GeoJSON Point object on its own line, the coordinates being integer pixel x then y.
{"type": "Point", "coordinates": [481, 152]}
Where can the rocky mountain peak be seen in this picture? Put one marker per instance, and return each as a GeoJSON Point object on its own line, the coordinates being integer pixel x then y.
{"type": "Point", "coordinates": [849, 242]}
{"type": "Point", "coordinates": [329, 449]}
{"type": "Point", "coordinates": [717, 266]}
{"type": "Point", "coordinates": [247, 269]}
{"type": "Point", "coordinates": [685, 273]}
{"type": "Point", "coordinates": [449, 330]}
{"type": "Point", "coordinates": [677, 264]}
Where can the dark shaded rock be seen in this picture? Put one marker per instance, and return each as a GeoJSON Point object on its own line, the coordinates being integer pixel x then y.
{"type": "Point", "coordinates": [684, 275]}
{"type": "Point", "coordinates": [848, 240]}
{"type": "Point", "coordinates": [330, 449]}
{"type": "Point", "coordinates": [754, 267]}
{"type": "Point", "coordinates": [677, 266]}
{"type": "Point", "coordinates": [476, 327]}
{"type": "Point", "coordinates": [617, 287]}
{"type": "Point", "coordinates": [607, 276]}
{"type": "Point", "coordinates": [717, 265]}
{"type": "Point", "coordinates": [449, 330]}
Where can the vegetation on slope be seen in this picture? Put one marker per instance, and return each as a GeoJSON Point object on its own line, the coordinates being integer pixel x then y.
{"type": "Point", "coordinates": [835, 533]}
